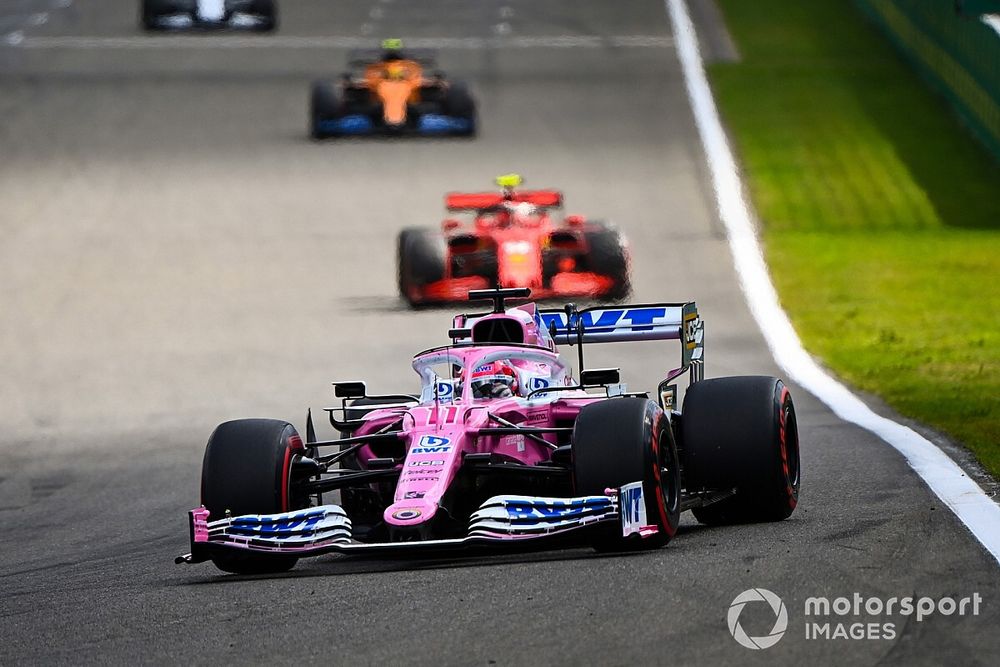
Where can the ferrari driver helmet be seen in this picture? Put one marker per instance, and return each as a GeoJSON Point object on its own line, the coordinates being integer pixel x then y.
{"type": "Point", "coordinates": [497, 379]}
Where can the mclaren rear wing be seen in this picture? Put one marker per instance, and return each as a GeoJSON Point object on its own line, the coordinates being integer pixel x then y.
{"type": "Point", "coordinates": [636, 322]}
{"type": "Point", "coordinates": [363, 57]}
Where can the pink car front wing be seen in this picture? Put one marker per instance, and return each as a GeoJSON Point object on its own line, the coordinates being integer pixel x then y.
{"type": "Point", "coordinates": [500, 520]}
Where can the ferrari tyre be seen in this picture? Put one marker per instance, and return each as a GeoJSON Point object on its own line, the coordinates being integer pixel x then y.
{"type": "Point", "coordinates": [624, 440]}
{"type": "Point", "coordinates": [324, 105]}
{"type": "Point", "coordinates": [420, 261]}
{"type": "Point", "coordinates": [608, 256]}
{"type": "Point", "coordinates": [741, 433]}
{"type": "Point", "coordinates": [246, 470]}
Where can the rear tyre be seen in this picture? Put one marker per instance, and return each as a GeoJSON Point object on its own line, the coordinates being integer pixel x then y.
{"type": "Point", "coordinates": [741, 432]}
{"type": "Point", "coordinates": [608, 256]}
{"type": "Point", "coordinates": [420, 261]}
{"type": "Point", "coordinates": [458, 102]}
{"type": "Point", "coordinates": [268, 11]}
{"type": "Point", "coordinates": [152, 10]}
{"type": "Point", "coordinates": [246, 470]}
{"type": "Point", "coordinates": [324, 106]}
{"type": "Point", "coordinates": [625, 440]}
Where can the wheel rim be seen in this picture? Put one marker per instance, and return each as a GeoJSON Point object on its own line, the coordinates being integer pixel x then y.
{"type": "Point", "coordinates": [668, 483]}
{"type": "Point", "coordinates": [668, 486]}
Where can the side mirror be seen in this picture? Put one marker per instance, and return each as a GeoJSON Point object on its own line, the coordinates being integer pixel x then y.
{"type": "Point", "coordinates": [355, 389]}
{"type": "Point", "coordinates": [599, 377]}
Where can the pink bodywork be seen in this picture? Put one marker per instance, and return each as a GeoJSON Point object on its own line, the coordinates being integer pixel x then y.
{"type": "Point", "coordinates": [440, 430]}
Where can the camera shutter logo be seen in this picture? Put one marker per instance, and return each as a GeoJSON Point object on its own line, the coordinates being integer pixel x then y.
{"type": "Point", "coordinates": [780, 621]}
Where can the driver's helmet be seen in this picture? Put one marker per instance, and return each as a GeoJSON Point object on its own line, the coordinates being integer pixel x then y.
{"type": "Point", "coordinates": [395, 71]}
{"type": "Point", "coordinates": [497, 379]}
{"type": "Point", "coordinates": [523, 214]}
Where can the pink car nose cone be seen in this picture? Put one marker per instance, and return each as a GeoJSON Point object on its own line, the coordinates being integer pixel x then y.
{"type": "Point", "coordinates": [409, 513]}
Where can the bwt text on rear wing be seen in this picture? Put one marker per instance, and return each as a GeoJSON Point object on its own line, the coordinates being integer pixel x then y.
{"type": "Point", "coordinates": [639, 322]}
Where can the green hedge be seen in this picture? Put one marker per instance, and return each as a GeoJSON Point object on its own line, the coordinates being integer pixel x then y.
{"type": "Point", "coordinates": [954, 49]}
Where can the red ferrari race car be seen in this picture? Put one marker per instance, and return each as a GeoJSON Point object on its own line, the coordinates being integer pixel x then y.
{"type": "Point", "coordinates": [512, 240]}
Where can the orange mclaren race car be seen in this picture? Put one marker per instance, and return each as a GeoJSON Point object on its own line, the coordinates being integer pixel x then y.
{"type": "Point", "coordinates": [512, 240]}
{"type": "Point", "coordinates": [389, 92]}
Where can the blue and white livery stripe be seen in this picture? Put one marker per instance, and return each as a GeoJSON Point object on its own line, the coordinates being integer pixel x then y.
{"type": "Point", "coordinates": [624, 323]}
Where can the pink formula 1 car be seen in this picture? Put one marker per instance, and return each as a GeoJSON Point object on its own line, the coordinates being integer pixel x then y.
{"type": "Point", "coordinates": [503, 446]}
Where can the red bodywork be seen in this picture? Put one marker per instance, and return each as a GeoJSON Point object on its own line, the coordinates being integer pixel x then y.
{"type": "Point", "coordinates": [529, 246]}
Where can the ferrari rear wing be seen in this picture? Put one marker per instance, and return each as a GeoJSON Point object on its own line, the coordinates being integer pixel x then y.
{"type": "Point", "coordinates": [635, 322]}
{"type": "Point", "coordinates": [474, 201]}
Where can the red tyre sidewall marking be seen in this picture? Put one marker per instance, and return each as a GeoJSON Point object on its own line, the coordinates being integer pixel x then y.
{"type": "Point", "coordinates": [294, 443]}
{"type": "Point", "coordinates": [661, 502]}
{"type": "Point", "coordinates": [783, 442]}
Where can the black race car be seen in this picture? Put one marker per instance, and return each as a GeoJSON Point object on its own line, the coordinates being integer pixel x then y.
{"type": "Point", "coordinates": [253, 15]}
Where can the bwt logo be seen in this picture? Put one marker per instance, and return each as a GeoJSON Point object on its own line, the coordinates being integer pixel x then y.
{"type": "Point", "coordinates": [289, 523]}
{"type": "Point", "coordinates": [780, 618]}
{"type": "Point", "coordinates": [432, 444]}
{"type": "Point", "coordinates": [537, 383]}
{"type": "Point", "coordinates": [631, 504]}
{"type": "Point", "coordinates": [543, 510]}
{"type": "Point", "coordinates": [636, 319]}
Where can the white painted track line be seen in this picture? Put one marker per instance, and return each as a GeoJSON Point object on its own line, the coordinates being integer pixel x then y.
{"type": "Point", "coordinates": [944, 477]}
{"type": "Point", "coordinates": [152, 42]}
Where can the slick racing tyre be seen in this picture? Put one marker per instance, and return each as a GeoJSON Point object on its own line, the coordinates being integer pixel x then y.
{"type": "Point", "coordinates": [420, 261]}
{"type": "Point", "coordinates": [267, 10]}
{"type": "Point", "coordinates": [247, 470]}
{"type": "Point", "coordinates": [741, 432]}
{"type": "Point", "coordinates": [458, 102]}
{"type": "Point", "coordinates": [324, 105]}
{"type": "Point", "coordinates": [626, 440]}
{"type": "Point", "coordinates": [152, 10]}
{"type": "Point", "coordinates": [608, 256]}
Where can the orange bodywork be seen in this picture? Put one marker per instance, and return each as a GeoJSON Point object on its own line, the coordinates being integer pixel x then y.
{"type": "Point", "coordinates": [395, 83]}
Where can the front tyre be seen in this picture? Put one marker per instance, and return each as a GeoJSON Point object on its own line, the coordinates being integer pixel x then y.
{"type": "Point", "coordinates": [324, 106]}
{"type": "Point", "coordinates": [267, 10]}
{"type": "Point", "coordinates": [246, 470]}
{"type": "Point", "coordinates": [741, 432]}
{"type": "Point", "coordinates": [458, 102]}
{"type": "Point", "coordinates": [624, 440]}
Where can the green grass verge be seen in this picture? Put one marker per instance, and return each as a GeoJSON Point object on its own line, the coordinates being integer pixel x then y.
{"type": "Point", "coordinates": [881, 215]}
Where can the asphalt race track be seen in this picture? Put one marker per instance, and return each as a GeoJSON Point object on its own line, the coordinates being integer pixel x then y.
{"type": "Point", "coordinates": [174, 252]}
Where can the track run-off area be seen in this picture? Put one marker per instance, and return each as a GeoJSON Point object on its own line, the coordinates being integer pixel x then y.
{"type": "Point", "coordinates": [177, 253]}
